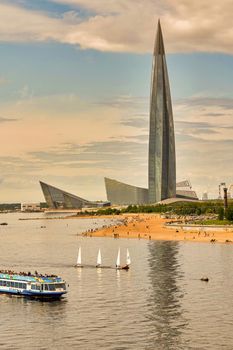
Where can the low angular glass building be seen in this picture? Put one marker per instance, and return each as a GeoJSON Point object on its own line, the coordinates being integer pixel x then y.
{"type": "Point", "coordinates": [122, 194]}
{"type": "Point", "coordinates": [56, 198]}
{"type": "Point", "coordinates": [119, 193]}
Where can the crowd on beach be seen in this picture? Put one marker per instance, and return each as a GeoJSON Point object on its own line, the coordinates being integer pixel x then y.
{"type": "Point", "coordinates": [117, 225]}
{"type": "Point", "coordinates": [164, 227]}
{"type": "Point", "coordinates": [92, 230]}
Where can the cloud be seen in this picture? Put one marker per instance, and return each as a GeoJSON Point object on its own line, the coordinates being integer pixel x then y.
{"type": "Point", "coordinates": [124, 26]}
{"type": "Point", "coordinates": [203, 145]}
{"type": "Point", "coordinates": [225, 103]}
{"type": "Point", "coordinates": [3, 81]}
{"type": "Point", "coordinates": [25, 92]}
{"type": "Point", "coordinates": [196, 127]}
{"type": "Point", "coordinates": [121, 154]}
{"type": "Point", "coordinates": [54, 142]}
{"type": "Point", "coordinates": [136, 122]}
{"type": "Point", "coordinates": [6, 120]}
{"type": "Point", "coordinates": [75, 167]}
{"type": "Point", "coordinates": [190, 117]}
{"type": "Point", "coordinates": [18, 25]}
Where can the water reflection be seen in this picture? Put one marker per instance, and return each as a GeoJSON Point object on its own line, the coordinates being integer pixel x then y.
{"type": "Point", "coordinates": [165, 310]}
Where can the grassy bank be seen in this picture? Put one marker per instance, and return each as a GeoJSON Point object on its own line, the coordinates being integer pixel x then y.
{"type": "Point", "coordinates": [179, 208]}
{"type": "Point", "coordinates": [213, 222]}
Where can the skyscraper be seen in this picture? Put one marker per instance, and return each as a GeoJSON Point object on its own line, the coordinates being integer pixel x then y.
{"type": "Point", "coordinates": [162, 157]}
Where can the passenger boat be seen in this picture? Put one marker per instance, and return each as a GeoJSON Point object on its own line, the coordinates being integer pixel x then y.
{"type": "Point", "coordinates": [32, 285]}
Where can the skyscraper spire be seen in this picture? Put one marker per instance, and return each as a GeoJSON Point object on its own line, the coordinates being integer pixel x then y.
{"type": "Point", "coordinates": [162, 159]}
{"type": "Point", "coordinates": [159, 46]}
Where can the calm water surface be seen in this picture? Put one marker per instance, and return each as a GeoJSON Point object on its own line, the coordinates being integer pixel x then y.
{"type": "Point", "coordinates": [160, 303]}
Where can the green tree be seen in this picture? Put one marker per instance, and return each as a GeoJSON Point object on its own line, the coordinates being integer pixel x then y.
{"type": "Point", "coordinates": [220, 213]}
{"type": "Point", "coordinates": [229, 214]}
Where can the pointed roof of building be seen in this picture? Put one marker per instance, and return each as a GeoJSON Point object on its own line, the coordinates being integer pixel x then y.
{"type": "Point", "coordinates": [159, 45]}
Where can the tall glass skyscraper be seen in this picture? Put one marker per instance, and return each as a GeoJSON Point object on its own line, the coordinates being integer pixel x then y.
{"type": "Point", "coordinates": [162, 156]}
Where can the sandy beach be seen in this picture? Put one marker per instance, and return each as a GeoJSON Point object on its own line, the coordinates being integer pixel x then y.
{"type": "Point", "coordinates": [154, 227]}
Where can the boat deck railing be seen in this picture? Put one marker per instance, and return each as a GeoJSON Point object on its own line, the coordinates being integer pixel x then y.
{"type": "Point", "coordinates": [22, 276]}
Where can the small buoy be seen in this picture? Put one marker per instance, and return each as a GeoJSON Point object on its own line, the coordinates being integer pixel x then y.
{"type": "Point", "coordinates": [205, 279]}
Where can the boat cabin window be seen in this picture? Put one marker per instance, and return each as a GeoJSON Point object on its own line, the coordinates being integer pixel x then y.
{"type": "Point", "coordinates": [60, 286]}
{"type": "Point", "coordinates": [13, 284]}
{"type": "Point", "coordinates": [51, 287]}
{"type": "Point", "coordinates": [18, 285]}
{"type": "Point", "coordinates": [35, 287]}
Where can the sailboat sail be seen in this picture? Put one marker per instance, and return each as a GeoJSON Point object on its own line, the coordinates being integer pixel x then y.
{"type": "Point", "coordinates": [99, 260]}
{"type": "Point", "coordinates": [79, 259]}
{"type": "Point", "coordinates": [118, 262]}
{"type": "Point", "coordinates": [128, 260]}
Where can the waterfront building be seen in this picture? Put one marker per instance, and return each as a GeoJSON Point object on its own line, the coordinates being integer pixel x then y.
{"type": "Point", "coordinates": [205, 196]}
{"type": "Point", "coordinates": [162, 156]}
{"type": "Point", "coordinates": [161, 159]}
{"type": "Point", "coordinates": [30, 207]}
{"type": "Point", "coordinates": [60, 199]}
{"type": "Point", "coordinates": [119, 193]}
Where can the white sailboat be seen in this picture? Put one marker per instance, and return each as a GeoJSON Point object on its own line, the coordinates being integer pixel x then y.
{"type": "Point", "coordinates": [99, 259]}
{"type": "Point", "coordinates": [128, 260]}
{"type": "Point", "coordinates": [118, 261]}
{"type": "Point", "coordinates": [79, 258]}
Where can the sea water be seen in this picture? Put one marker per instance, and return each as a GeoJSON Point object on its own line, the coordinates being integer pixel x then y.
{"type": "Point", "coordinates": [160, 303]}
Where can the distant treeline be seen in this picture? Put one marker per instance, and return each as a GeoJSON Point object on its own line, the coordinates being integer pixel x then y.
{"type": "Point", "coordinates": [16, 206]}
{"type": "Point", "coordinates": [179, 208]}
{"type": "Point", "coordinates": [10, 206]}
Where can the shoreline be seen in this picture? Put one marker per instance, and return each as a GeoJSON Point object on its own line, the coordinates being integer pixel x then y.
{"type": "Point", "coordinates": [154, 227]}
{"type": "Point", "coordinates": [151, 227]}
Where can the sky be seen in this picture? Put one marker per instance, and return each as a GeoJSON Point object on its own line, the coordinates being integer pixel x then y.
{"type": "Point", "coordinates": [75, 85]}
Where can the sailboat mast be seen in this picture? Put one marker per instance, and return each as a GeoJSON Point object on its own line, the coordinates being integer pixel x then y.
{"type": "Point", "coordinates": [99, 260]}
{"type": "Point", "coordinates": [128, 260]}
{"type": "Point", "coordinates": [79, 259]}
{"type": "Point", "coordinates": [118, 262]}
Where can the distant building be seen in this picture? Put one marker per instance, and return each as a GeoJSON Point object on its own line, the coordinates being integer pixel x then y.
{"type": "Point", "coordinates": [119, 193]}
{"type": "Point", "coordinates": [59, 199]}
{"type": "Point", "coordinates": [162, 157]}
{"type": "Point", "coordinates": [184, 190]}
{"type": "Point", "coordinates": [205, 196]}
{"type": "Point", "coordinates": [30, 207]}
